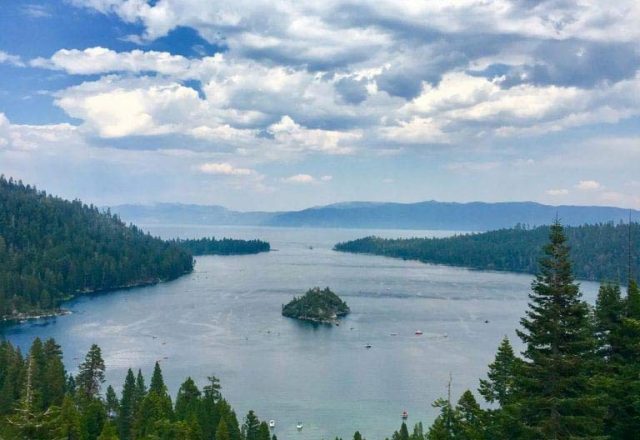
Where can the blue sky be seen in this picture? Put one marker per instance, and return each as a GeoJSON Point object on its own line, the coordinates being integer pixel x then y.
{"type": "Point", "coordinates": [283, 105]}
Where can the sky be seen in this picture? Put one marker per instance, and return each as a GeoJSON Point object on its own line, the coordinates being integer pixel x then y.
{"type": "Point", "coordinates": [274, 105]}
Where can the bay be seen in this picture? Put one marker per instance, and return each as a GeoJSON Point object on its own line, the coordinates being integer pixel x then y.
{"type": "Point", "coordinates": [224, 319]}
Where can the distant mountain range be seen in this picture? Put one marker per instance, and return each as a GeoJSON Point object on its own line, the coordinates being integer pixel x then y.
{"type": "Point", "coordinates": [475, 216]}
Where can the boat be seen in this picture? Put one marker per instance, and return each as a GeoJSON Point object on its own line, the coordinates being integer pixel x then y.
{"type": "Point", "coordinates": [405, 415]}
{"type": "Point", "coordinates": [418, 332]}
{"type": "Point", "coordinates": [272, 424]}
{"type": "Point", "coordinates": [367, 346]}
{"type": "Point", "coordinates": [299, 426]}
{"type": "Point", "coordinates": [394, 334]}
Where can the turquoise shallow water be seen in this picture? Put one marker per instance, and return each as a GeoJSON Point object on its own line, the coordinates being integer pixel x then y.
{"type": "Point", "coordinates": [224, 319]}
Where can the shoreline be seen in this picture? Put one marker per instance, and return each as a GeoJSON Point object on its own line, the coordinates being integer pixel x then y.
{"type": "Point", "coordinates": [23, 317]}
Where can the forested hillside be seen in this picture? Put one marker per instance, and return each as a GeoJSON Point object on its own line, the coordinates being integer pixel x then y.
{"type": "Point", "coordinates": [224, 246]}
{"type": "Point", "coordinates": [599, 252]}
{"type": "Point", "coordinates": [52, 249]}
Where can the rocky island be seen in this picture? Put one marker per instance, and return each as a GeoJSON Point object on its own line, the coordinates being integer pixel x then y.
{"type": "Point", "coordinates": [317, 305]}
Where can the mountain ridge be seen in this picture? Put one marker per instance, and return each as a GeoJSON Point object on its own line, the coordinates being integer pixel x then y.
{"type": "Point", "coordinates": [471, 216]}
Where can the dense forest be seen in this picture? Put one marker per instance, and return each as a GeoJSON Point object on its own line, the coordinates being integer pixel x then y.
{"type": "Point", "coordinates": [316, 305]}
{"type": "Point", "coordinates": [225, 246]}
{"type": "Point", "coordinates": [52, 249]}
{"type": "Point", "coordinates": [577, 378]}
{"type": "Point", "coordinates": [599, 252]}
{"type": "Point", "coordinates": [40, 401]}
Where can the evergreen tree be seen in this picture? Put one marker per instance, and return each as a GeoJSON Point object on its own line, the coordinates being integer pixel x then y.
{"type": "Point", "coordinates": [553, 393]}
{"type": "Point", "coordinates": [127, 406]}
{"type": "Point", "coordinates": [109, 432]}
{"type": "Point", "coordinates": [263, 431]}
{"type": "Point", "coordinates": [470, 418]}
{"type": "Point", "coordinates": [222, 433]}
{"type": "Point", "coordinates": [499, 386]}
{"type": "Point", "coordinates": [92, 419]}
{"type": "Point", "coordinates": [67, 425]}
{"type": "Point", "coordinates": [91, 375]}
{"type": "Point", "coordinates": [188, 400]}
{"type": "Point", "coordinates": [251, 426]}
{"type": "Point", "coordinates": [112, 404]}
{"type": "Point", "coordinates": [54, 375]}
{"type": "Point", "coordinates": [357, 436]}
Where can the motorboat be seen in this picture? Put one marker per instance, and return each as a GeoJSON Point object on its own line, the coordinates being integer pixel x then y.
{"type": "Point", "coordinates": [367, 346]}
{"type": "Point", "coordinates": [272, 424]}
{"type": "Point", "coordinates": [299, 426]}
{"type": "Point", "coordinates": [418, 332]}
{"type": "Point", "coordinates": [405, 415]}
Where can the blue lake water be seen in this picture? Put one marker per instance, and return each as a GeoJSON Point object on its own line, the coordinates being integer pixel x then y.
{"type": "Point", "coordinates": [224, 319]}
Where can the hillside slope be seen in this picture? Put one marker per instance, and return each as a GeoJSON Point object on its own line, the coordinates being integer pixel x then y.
{"type": "Point", "coordinates": [599, 252]}
{"type": "Point", "coordinates": [52, 249]}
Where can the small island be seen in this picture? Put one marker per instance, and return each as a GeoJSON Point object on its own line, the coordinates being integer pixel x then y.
{"type": "Point", "coordinates": [317, 305]}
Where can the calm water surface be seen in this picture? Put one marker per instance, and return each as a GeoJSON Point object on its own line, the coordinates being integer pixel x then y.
{"type": "Point", "coordinates": [224, 319]}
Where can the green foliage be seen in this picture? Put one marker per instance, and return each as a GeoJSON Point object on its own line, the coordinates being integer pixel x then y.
{"type": "Point", "coordinates": [52, 249]}
{"type": "Point", "coordinates": [501, 376]}
{"type": "Point", "coordinates": [225, 246]}
{"type": "Point", "coordinates": [317, 305]}
{"type": "Point", "coordinates": [553, 391]}
{"type": "Point", "coordinates": [599, 252]}
{"type": "Point", "coordinates": [91, 374]}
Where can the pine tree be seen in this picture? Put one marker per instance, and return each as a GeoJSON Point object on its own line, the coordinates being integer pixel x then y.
{"type": "Point", "coordinates": [127, 406]}
{"type": "Point", "coordinates": [112, 404]}
{"type": "Point", "coordinates": [68, 422]}
{"type": "Point", "coordinates": [222, 433]}
{"type": "Point", "coordinates": [187, 400]}
{"type": "Point", "coordinates": [553, 393]}
{"type": "Point", "coordinates": [54, 375]}
{"type": "Point", "coordinates": [263, 431]}
{"type": "Point", "coordinates": [251, 426]}
{"type": "Point", "coordinates": [91, 375]}
{"type": "Point", "coordinates": [470, 418]}
{"type": "Point", "coordinates": [499, 386]}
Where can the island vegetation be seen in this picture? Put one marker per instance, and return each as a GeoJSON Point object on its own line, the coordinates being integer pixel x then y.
{"type": "Point", "coordinates": [578, 378]}
{"type": "Point", "coordinates": [224, 246]}
{"type": "Point", "coordinates": [53, 249]}
{"type": "Point", "coordinates": [317, 305]}
{"type": "Point", "coordinates": [599, 252]}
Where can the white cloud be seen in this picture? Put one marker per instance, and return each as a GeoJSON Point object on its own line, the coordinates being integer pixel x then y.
{"type": "Point", "coordinates": [326, 178]}
{"type": "Point", "coordinates": [10, 59]}
{"type": "Point", "coordinates": [558, 192]}
{"type": "Point", "coordinates": [295, 137]}
{"type": "Point", "coordinates": [300, 179]}
{"type": "Point", "coordinates": [588, 185]}
{"type": "Point", "coordinates": [225, 169]}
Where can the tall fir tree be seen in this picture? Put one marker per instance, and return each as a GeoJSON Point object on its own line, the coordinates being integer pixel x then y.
{"type": "Point", "coordinates": [91, 374]}
{"type": "Point", "coordinates": [554, 397]}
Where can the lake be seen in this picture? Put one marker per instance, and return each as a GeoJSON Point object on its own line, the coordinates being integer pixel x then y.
{"type": "Point", "coordinates": [224, 319]}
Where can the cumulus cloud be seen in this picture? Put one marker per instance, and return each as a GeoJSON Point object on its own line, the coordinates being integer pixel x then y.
{"type": "Point", "coordinates": [225, 169]}
{"type": "Point", "coordinates": [290, 134]}
{"type": "Point", "coordinates": [588, 185]}
{"type": "Point", "coordinates": [300, 179]}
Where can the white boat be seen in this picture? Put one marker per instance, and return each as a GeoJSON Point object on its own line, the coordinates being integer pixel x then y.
{"type": "Point", "coordinates": [418, 332]}
{"type": "Point", "coordinates": [299, 426]}
{"type": "Point", "coordinates": [272, 423]}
